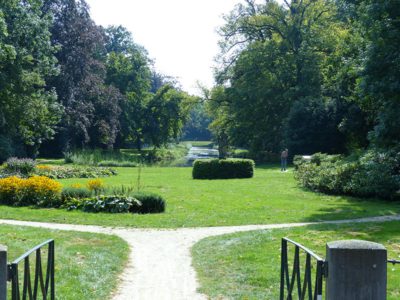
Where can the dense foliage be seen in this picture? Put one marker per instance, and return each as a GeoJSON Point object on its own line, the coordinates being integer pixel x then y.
{"type": "Point", "coordinates": [141, 203]}
{"type": "Point", "coordinates": [223, 168]}
{"type": "Point", "coordinates": [371, 174]}
{"type": "Point", "coordinates": [312, 76]}
{"type": "Point", "coordinates": [64, 172]}
{"type": "Point", "coordinates": [67, 83]}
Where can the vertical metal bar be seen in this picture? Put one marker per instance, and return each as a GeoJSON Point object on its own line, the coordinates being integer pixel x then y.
{"type": "Point", "coordinates": [319, 280]}
{"type": "Point", "coordinates": [52, 282]}
{"type": "Point", "coordinates": [15, 295]}
{"type": "Point", "coordinates": [283, 260]}
{"type": "Point", "coordinates": [4, 269]}
{"type": "Point", "coordinates": [297, 269]}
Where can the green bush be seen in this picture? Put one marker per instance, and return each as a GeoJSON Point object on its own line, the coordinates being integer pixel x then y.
{"type": "Point", "coordinates": [371, 174]}
{"type": "Point", "coordinates": [75, 192]}
{"type": "Point", "coordinates": [141, 203]}
{"type": "Point", "coordinates": [150, 203]}
{"type": "Point", "coordinates": [23, 166]}
{"type": "Point", "coordinates": [223, 168]}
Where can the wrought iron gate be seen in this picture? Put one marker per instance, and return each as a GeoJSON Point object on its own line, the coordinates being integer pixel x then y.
{"type": "Point", "coordinates": [43, 286]}
{"type": "Point", "coordinates": [305, 289]}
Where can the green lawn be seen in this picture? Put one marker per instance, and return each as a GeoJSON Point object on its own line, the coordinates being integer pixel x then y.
{"type": "Point", "coordinates": [87, 265]}
{"type": "Point", "coordinates": [247, 265]}
{"type": "Point", "coordinates": [269, 197]}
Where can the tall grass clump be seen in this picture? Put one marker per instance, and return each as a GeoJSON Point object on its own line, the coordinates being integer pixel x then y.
{"type": "Point", "coordinates": [98, 157]}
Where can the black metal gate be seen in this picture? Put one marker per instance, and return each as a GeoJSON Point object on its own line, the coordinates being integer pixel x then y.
{"type": "Point", "coordinates": [305, 279]}
{"type": "Point", "coordinates": [43, 283]}
{"type": "Point", "coordinates": [305, 289]}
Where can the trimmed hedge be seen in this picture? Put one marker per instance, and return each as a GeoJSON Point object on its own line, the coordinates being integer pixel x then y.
{"type": "Point", "coordinates": [223, 168]}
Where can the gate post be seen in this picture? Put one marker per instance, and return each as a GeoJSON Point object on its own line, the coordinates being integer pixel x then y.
{"type": "Point", "coordinates": [357, 270]}
{"type": "Point", "coordinates": [3, 272]}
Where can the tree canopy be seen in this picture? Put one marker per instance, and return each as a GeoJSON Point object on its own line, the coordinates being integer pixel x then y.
{"type": "Point", "coordinates": [311, 75]}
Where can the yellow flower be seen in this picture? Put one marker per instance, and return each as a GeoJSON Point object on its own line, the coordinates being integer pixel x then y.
{"type": "Point", "coordinates": [95, 185]}
{"type": "Point", "coordinates": [44, 168]}
{"type": "Point", "coordinates": [33, 189]}
{"type": "Point", "coordinates": [76, 186]}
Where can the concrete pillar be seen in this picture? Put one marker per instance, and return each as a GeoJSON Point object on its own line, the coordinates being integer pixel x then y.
{"type": "Point", "coordinates": [357, 270]}
{"type": "Point", "coordinates": [3, 272]}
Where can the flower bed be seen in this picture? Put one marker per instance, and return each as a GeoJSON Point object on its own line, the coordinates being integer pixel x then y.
{"type": "Point", "coordinates": [65, 172]}
{"type": "Point", "coordinates": [36, 190]}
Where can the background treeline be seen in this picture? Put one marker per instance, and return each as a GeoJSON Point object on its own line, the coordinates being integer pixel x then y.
{"type": "Point", "coordinates": [67, 83]}
{"type": "Point", "coordinates": [310, 75]}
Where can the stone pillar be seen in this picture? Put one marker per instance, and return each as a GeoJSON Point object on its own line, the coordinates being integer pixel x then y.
{"type": "Point", "coordinates": [3, 272]}
{"type": "Point", "coordinates": [357, 270]}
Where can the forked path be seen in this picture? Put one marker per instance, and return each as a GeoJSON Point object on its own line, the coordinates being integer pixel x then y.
{"type": "Point", "coordinates": [160, 264]}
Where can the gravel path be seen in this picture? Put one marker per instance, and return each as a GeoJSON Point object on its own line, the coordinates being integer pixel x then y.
{"type": "Point", "coordinates": [160, 264]}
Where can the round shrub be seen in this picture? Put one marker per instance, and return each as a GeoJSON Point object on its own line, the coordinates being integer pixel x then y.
{"type": "Point", "coordinates": [150, 203]}
{"type": "Point", "coordinates": [223, 168]}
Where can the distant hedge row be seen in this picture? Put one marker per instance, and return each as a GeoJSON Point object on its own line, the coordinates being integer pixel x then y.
{"type": "Point", "coordinates": [223, 168]}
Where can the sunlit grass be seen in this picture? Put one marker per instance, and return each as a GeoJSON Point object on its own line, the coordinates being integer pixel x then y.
{"type": "Point", "coordinates": [87, 265]}
{"type": "Point", "coordinates": [247, 265]}
{"type": "Point", "coordinates": [270, 197]}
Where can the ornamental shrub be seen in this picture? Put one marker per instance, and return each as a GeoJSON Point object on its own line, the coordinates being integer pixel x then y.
{"type": "Point", "coordinates": [223, 168]}
{"type": "Point", "coordinates": [23, 166]}
{"type": "Point", "coordinates": [110, 204]}
{"type": "Point", "coordinates": [150, 203]}
{"type": "Point", "coordinates": [37, 190]}
{"type": "Point", "coordinates": [371, 174]}
{"type": "Point", "coordinates": [142, 203]}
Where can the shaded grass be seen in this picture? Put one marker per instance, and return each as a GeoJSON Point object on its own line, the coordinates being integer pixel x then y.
{"type": "Point", "coordinates": [87, 265]}
{"type": "Point", "coordinates": [270, 197]}
{"type": "Point", "coordinates": [247, 265]}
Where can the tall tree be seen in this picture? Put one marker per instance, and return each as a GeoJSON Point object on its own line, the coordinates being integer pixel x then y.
{"type": "Point", "coordinates": [81, 83]}
{"type": "Point", "coordinates": [273, 56]}
{"type": "Point", "coordinates": [28, 111]}
{"type": "Point", "coordinates": [380, 82]}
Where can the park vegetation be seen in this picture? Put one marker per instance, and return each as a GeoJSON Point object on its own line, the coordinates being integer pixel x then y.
{"type": "Point", "coordinates": [223, 168]}
{"type": "Point", "coordinates": [313, 76]}
{"type": "Point", "coordinates": [67, 83]}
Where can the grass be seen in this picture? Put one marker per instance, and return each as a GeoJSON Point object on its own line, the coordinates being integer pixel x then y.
{"type": "Point", "coordinates": [87, 265]}
{"type": "Point", "coordinates": [247, 265]}
{"type": "Point", "coordinates": [269, 197]}
{"type": "Point", "coordinates": [205, 144]}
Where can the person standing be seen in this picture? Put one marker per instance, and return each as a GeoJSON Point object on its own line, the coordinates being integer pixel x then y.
{"type": "Point", "coordinates": [284, 156]}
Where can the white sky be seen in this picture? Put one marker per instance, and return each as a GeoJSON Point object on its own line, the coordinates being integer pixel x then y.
{"type": "Point", "coordinates": [180, 35]}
